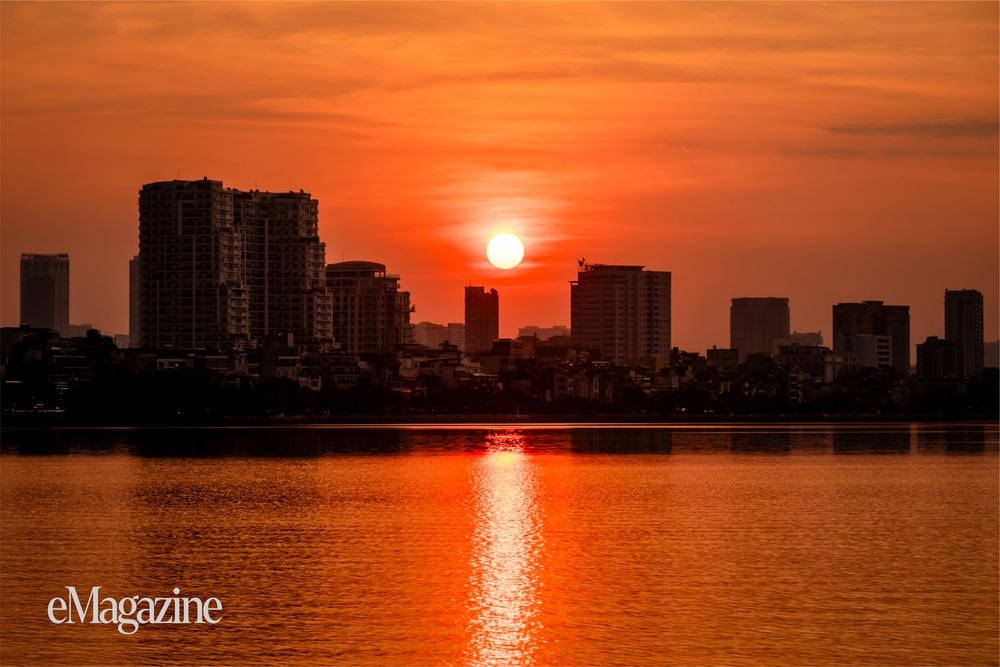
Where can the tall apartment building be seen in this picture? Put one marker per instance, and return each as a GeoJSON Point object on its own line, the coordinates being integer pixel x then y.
{"type": "Point", "coordinates": [284, 265]}
{"type": "Point", "coordinates": [756, 323]}
{"type": "Point", "coordinates": [45, 291]}
{"type": "Point", "coordinates": [133, 302]}
{"type": "Point", "coordinates": [433, 335]}
{"type": "Point", "coordinates": [939, 359]}
{"type": "Point", "coordinates": [482, 319]}
{"type": "Point", "coordinates": [621, 311]}
{"type": "Point", "coordinates": [220, 268]}
{"type": "Point", "coordinates": [872, 351]}
{"type": "Point", "coordinates": [872, 317]}
{"type": "Point", "coordinates": [963, 324]}
{"type": "Point", "coordinates": [370, 313]}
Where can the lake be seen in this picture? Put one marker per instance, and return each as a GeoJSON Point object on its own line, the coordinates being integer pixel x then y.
{"type": "Point", "coordinates": [691, 545]}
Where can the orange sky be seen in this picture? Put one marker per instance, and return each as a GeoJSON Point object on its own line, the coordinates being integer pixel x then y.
{"type": "Point", "coordinates": [815, 151]}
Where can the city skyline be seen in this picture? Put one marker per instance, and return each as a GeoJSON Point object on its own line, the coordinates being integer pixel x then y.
{"type": "Point", "coordinates": [862, 166]}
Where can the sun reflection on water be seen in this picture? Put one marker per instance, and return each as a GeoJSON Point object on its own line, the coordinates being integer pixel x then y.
{"type": "Point", "coordinates": [506, 543]}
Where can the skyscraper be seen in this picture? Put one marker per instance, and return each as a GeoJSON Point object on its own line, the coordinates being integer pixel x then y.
{"type": "Point", "coordinates": [482, 318]}
{"type": "Point", "coordinates": [621, 311]}
{"type": "Point", "coordinates": [192, 290]}
{"type": "Point", "coordinates": [872, 317]}
{"type": "Point", "coordinates": [45, 291]}
{"type": "Point", "coordinates": [133, 302]}
{"type": "Point", "coordinates": [220, 268]}
{"type": "Point", "coordinates": [755, 323]}
{"type": "Point", "coordinates": [963, 324]}
{"type": "Point", "coordinates": [370, 313]}
{"type": "Point", "coordinates": [284, 265]}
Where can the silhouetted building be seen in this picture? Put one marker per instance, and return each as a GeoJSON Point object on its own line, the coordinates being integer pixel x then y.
{"type": "Point", "coordinates": [370, 313]}
{"type": "Point", "coordinates": [79, 330]}
{"type": "Point", "coordinates": [991, 355]}
{"type": "Point", "coordinates": [939, 359]}
{"type": "Point", "coordinates": [796, 338]}
{"type": "Point", "coordinates": [45, 291]}
{"type": "Point", "coordinates": [284, 265]}
{"type": "Point", "coordinates": [873, 351]}
{"type": "Point", "coordinates": [963, 324]}
{"type": "Point", "coordinates": [192, 291]}
{"type": "Point", "coordinates": [219, 267]}
{"type": "Point", "coordinates": [872, 317]}
{"type": "Point", "coordinates": [433, 335]}
{"type": "Point", "coordinates": [815, 361]}
{"type": "Point", "coordinates": [623, 312]}
{"type": "Point", "coordinates": [133, 302]}
{"type": "Point", "coordinates": [482, 319]}
{"type": "Point", "coordinates": [543, 333]}
{"type": "Point", "coordinates": [725, 360]}
{"type": "Point", "coordinates": [755, 323]}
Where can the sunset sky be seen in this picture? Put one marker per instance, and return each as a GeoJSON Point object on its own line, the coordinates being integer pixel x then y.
{"type": "Point", "coordinates": [820, 152]}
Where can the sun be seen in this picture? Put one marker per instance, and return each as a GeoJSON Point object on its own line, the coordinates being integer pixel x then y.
{"type": "Point", "coordinates": [505, 251]}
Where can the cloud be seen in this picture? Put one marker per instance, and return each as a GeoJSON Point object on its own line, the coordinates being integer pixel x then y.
{"type": "Point", "coordinates": [943, 130]}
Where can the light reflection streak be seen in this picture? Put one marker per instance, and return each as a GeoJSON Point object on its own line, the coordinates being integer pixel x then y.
{"type": "Point", "coordinates": [506, 543]}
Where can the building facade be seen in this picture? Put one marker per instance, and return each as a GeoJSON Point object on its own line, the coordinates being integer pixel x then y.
{"type": "Point", "coordinates": [133, 302]}
{"type": "Point", "coordinates": [192, 292]}
{"type": "Point", "coordinates": [939, 359]}
{"type": "Point", "coordinates": [284, 265]}
{"type": "Point", "coordinates": [45, 291]}
{"type": "Point", "coordinates": [757, 323]}
{"type": "Point", "coordinates": [220, 268]}
{"type": "Point", "coordinates": [875, 318]}
{"type": "Point", "coordinates": [622, 312]}
{"type": "Point", "coordinates": [482, 319]}
{"type": "Point", "coordinates": [963, 324]}
{"type": "Point", "coordinates": [370, 313]}
{"type": "Point", "coordinates": [433, 335]}
{"type": "Point", "coordinates": [873, 351]}
{"type": "Point", "coordinates": [991, 354]}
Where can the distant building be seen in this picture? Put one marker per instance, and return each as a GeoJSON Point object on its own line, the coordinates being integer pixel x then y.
{"type": "Point", "coordinates": [433, 335]}
{"type": "Point", "coordinates": [133, 302]}
{"type": "Point", "coordinates": [482, 319]}
{"type": "Point", "coordinates": [79, 330]}
{"type": "Point", "coordinates": [873, 351]}
{"type": "Point", "coordinates": [815, 361]}
{"type": "Point", "coordinates": [726, 360]}
{"type": "Point", "coordinates": [991, 355]}
{"type": "Point", "coordinates": [939, 359]}
{"type": "Point", "coordinates": [963, 324]}
{"type": "Point", "coordinates": [755, 323]}
{"type": "Point", "coordinates": [796, 338]}
{"type": "Point", "coordinates": [45, 291]}
{"type": "Point", "coordinates": [370, 313]}
{"type": "Point", "coordinates": [284, 265]}
{"type": "Point", "coordinates": [872, 317]}
{"type": "Point", "coordinates": [543, 333]}
{"type": "Point", "coordinates": [219, 268]}
{"type": "Point", "coordinates": [623, 312]}
{"type": "Point", "coordinates": [121, 340]}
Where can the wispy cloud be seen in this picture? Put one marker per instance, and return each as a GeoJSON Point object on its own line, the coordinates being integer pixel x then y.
{"type": "Point", "coordinates": [941, 129]}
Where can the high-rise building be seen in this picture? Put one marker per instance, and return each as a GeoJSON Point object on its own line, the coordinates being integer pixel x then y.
{"type": "Point", "coordinates": [221, 268]}
{"type": "Point", "coordinates": [963, 324]}
{"type": "Point", "coordinates": [370, 313]}
{"type": "Point", "coordinates": [284, 265]}
{"type": "Point", "coordinates": [133, 302]}
{"type": "Point", "coordinates": [192, 291]}
{"type": "Point", "coordinates": [45, 291]}
{"type": "Point", "coordinates": [872, 317]}
{"type": "Point", "coordinates": [482, 319]}
{"type": "Point", "coordinates": [622, 312]}
{"type": "Point", "coordinates": [756, 323]}
{"type": "Point", "coordinates": [812, 338]}
{"type": "Point", "coordinates": [939, 359]}
{"type": "Point", "coordinates": [991, 355]}
{"type": "Point", "coordinates": [433, 335]}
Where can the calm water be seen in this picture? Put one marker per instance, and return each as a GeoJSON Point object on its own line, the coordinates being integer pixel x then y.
{"type": "Point", "coordinates": [681, 545]}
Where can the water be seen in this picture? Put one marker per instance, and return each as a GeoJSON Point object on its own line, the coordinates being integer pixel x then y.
{"type": "Point", "coordinates": [682, 545]}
